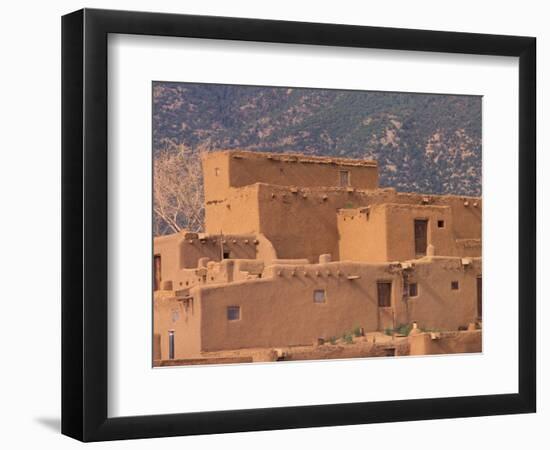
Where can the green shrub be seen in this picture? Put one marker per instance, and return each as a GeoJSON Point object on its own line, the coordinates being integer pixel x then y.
{"type": "Point", "coordinates": [357, 331]}
{"type": "Point", "coordinates": [430, 330]}
{"type": "Point", "coordinates": [348, 338]}
{"type": "Point", "coordinates": [404, 329]}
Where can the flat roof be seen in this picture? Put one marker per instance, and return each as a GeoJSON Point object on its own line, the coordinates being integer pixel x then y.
{"type": "Point", "coordinates": [295, 157]}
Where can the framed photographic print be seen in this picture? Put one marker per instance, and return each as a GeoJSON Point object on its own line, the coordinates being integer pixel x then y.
{"type": "Point", "coordinates": [273, 224]}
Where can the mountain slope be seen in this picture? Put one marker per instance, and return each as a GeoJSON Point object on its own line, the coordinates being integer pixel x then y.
{"type": "Point", "coordinates": [422, 142]}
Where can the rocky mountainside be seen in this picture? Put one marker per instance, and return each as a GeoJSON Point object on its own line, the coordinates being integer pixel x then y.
{"type": "Point", "coordinates": [422, 142]}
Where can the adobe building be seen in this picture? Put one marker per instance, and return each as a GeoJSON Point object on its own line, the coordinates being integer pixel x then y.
{"type": "Point", "coordinates": [300, 248]}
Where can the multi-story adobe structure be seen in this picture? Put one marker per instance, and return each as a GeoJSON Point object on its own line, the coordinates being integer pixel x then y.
{"type": "Point", "coordinates": [298, 248]}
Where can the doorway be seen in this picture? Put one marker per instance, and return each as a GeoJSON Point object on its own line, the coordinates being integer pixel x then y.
{"type": "Point", "coordinates": [156, 273]}
{"type": "Point", "coordinates": [385, 310]}
{"type": "Point", "coordinates": [420, 237]}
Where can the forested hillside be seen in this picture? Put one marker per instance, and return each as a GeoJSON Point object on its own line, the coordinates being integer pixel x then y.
{"type": "Point", "coordinates": [424, 143]}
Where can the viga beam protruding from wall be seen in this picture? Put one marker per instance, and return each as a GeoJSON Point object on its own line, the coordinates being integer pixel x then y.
{"type": "Point", "coordinates": [297, 304]}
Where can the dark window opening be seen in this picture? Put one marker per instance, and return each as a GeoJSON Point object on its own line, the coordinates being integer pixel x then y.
{"type": "Point", "coordinates": [413, 290]}
{"type": "Point", "coordinates": [233, 313]}
{"type": "Point", "coordinates": [344, 178]}
{"type": "Point", "coordinates": [226, 254]}
{"type": "Point", "coordinates": [440, 224]}
{"type": "Point", "coordinates": [319, 296]}
{"type": "Point", "coordinates": [384, 294]}
{"type": "Point", "coordinates": [454, 285]}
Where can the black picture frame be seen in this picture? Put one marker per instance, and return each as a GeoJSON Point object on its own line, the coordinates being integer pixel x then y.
{"type": "Point", "coordinates": [84, 224]}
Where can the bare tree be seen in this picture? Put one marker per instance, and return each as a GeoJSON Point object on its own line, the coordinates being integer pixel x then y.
{"type": "Point", "coordinates": [178, 197]}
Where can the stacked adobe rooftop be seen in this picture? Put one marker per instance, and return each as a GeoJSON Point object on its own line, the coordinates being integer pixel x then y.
{"type": "Point", "coordinates": [300, 247]}
{"type": "Point", "coordinates": [304, 206]}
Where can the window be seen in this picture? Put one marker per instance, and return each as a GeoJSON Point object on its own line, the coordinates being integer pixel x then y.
{"type": "Point", "coordinates": [217, 171]}
{"type": "Point", "coordinates": [171, 345]}
{"type": "Point", "coordinates": [454, 285]}
{"type": "Point", "coordinates": [344, 178]}
{"type": "Point", "coordinates": [413, 290]}
{"type": "Point", "coordinates": [233, 313]}
{"type": "Point", "coordinates": [319, 296]}
{"type": "Point", "coordinates": [226, 254]}
{"type": "Point", "coordinates": [440, 224]}
{"type": "Point", "coordinates": [384, 294]}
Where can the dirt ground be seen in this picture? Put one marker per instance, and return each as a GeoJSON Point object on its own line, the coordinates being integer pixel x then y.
{"type": "Point", "coordinates": [371, 345]}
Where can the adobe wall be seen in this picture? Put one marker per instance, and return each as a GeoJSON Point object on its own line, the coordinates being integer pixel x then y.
{"type": "Point", "coordinates": [280, 311]}
{"type": "Point", "coordinates": [181, 251]}
{"type": "Point", "coordinates": [466, 211]}
{"type": "Point", "coordinates": [385, 232]}
{"type": "Point", "coordinates": [215, 170]}
{"type": "Point", "coordinates": [168, 248]}
{"type": "Point", "coordinates": [171, 313]}
{"type": "Point", "coordinates": [303, 222]}
{"type": "Point", "coordinates": [363, 234]}
{"type": "Point", "coordinates": [437, 306]}
{"type": "Point", "coordinates": [445, 343]}
{"type": "Point", "coordinates": [230, 169]}
{"type": "Point", "coordinates": [236, 212]}
{"type": "Point", "coordinates": [400, 230]}
{"type": "Point", "coordinates": [277, 309]}
{"type": "Point", "coordinates": [196, 246]}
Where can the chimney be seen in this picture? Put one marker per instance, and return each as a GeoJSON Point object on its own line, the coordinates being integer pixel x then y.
{"type": "Point", "coordinates": [325, 258]}
{"type": "Point", "coordinates": [203, 262]}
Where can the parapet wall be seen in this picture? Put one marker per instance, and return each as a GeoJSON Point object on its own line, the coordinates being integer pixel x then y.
{"type": "Point", "coordinates": [180, 254]}
{"type": "Point", "coordinates": [386, 232]}
{"type": "Point", "coordinates": [183, 318]}
{"type": "Point", "coordinates": [231, 169]}
{"type": "Point", "coordinates": [278, 309]}
{"type": "Point", "coordinates": [278, 303]}
{"type": "Point", "coordinates": [293, 201]}
{"type": "Point", "coordinates": [446, 292]}
{"type": "Point", "coordinates": [446, 342]}
{"type": "Point", "coordinates": [304, 223]}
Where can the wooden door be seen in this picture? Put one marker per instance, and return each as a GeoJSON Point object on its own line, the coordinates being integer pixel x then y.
{"type": "Point", "coordinates": [385, 310]}
{"type": "Point", "coordinates": [420, 237]}
{"type": "Point", "coordinates": [156, 273]}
